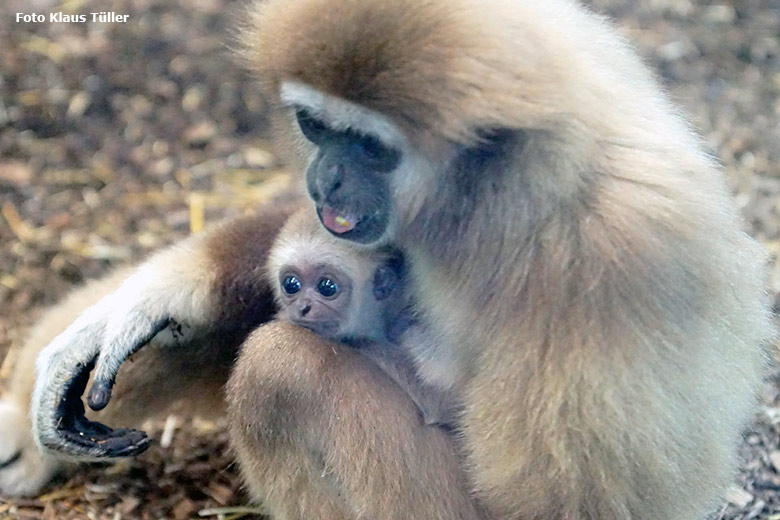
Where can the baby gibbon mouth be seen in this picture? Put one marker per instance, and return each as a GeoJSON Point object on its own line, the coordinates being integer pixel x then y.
{"type": "Point", "coordinates": [338, 222]}
{"type": "Point", "coordinates": [323, 328]}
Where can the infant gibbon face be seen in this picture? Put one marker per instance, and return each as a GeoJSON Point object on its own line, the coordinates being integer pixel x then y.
{"type": "Point", "coordinates": [315, 296]}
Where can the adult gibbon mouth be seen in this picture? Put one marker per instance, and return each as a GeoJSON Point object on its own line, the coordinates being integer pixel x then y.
{"type": "Point", "coordinates": [336, 221]}
{"type": "Point", "coordinates": [363, 229]}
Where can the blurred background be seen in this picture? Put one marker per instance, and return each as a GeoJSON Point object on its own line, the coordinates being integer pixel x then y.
{"type": "Point", "coordinates": [119, 138]}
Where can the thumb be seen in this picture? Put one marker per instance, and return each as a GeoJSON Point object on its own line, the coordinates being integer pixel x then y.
{"type": "Point", "coordinates": [136, 330]}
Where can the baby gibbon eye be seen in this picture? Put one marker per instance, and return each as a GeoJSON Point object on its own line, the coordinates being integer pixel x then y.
{"type": "Point", "coordinates": [327, 287]}
{"type": "Point", "coordinates": [312, 128]}
{"type": "Point", "coordinates": [291, 284]}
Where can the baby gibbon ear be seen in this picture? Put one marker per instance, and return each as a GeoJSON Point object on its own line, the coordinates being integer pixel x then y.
{"type": "Point", "coordinates": [388, 277]}
{"type": "Point", "coordinates": [385, 280]}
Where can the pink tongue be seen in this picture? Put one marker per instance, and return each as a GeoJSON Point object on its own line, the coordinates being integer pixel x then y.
{"type": "Point", "coordinates": [337, 222]}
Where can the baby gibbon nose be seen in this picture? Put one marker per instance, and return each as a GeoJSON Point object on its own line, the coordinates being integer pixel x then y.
{"type": "Point", "coordinates": [304, 306]}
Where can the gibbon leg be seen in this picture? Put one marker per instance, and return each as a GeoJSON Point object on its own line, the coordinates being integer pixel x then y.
{"type": "Point", "coordinates": [310, 418]}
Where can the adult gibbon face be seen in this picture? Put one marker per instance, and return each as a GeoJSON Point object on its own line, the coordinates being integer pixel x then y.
{"type": "Point", "coordinates": [348, 179]}
{"type": "Point", "coordinates": [368, 178]}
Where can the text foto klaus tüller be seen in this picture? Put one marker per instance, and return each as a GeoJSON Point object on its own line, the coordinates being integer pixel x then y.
{"type": "Point", "coordinates": [102, 16]}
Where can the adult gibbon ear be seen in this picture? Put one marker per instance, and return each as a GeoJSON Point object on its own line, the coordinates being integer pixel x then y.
{"type": "Point", "coordinates": [491, 149]}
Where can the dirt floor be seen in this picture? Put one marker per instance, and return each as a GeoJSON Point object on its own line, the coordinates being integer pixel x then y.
{"type": "Point", "coordinates": [118, 138]}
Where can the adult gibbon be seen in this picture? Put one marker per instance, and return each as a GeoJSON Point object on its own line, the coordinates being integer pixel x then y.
{"type": "Point", "coordinates": [597, 312]}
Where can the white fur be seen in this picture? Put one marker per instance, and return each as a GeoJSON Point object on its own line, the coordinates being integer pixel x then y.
{"type": "Point", "coordinates": [57, 365]}
{"type": "Point", "coordinates": [33, 469]}
{"type": "Point", "coordinates": [340, 114]}
{"type": "Point", "coordinates": [413, 177]}
{"type": "Point", "coordinates": [164, 287]}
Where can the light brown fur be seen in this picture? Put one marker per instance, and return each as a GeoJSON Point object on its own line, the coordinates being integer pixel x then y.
{"type": "Point", "coordinates": [156, 377]}
{"type": "Point", "coordinates": [604, 310]}
{"type": "Point", "coordinates": [219, 275]}
{"type": "Point", "coordinates": [589, 291]}
{"type": "Point", "coordinates": [308, 418]}
{"type": "Point", "coordinates": [304, 240]}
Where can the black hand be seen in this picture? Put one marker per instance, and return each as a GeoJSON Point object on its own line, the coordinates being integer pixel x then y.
{"type": "Point", "coordinates": [89, 436]}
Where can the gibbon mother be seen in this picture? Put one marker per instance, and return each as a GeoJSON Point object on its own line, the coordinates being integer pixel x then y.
{"type": "Point", "coordinates": [599, 314]}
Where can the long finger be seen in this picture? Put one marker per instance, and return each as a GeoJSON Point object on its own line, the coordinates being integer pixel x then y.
{"type": "Point", "coordinates": [138, 328]}
{"type": "Point", "coordinates": [78, 435]}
